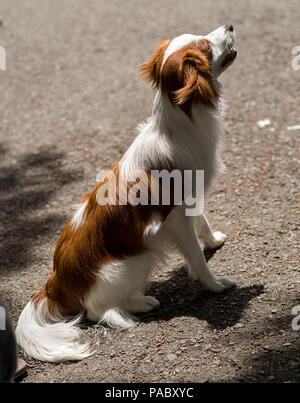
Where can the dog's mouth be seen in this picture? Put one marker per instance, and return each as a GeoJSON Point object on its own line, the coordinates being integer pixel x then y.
{"type": "Point", "coordinates": [229, 57]}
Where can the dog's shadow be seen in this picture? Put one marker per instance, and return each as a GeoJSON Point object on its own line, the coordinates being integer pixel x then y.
{"type": "Point", "coordinates": [179, 296]}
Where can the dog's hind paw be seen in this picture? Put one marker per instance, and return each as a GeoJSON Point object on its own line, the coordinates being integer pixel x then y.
{"type": "Point", "coordinates": [143, 303]}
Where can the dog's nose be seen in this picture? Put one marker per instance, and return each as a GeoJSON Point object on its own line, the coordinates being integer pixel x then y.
{"type": "Point", "coordinates": [229, 27]}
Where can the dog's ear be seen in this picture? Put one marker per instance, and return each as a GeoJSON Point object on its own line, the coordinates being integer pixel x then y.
{"type": "Point", "coordinates": [150, 70]}
{"type": "Point", "coordinates": [197, 82]}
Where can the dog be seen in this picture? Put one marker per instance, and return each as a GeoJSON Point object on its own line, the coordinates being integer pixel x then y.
{"type": "Point", "coordinates": [107, 251]}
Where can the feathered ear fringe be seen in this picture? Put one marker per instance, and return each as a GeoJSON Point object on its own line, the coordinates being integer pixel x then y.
{"type": "Point", "coordinates": [197, 80]}
{"type": "Point", "coordinates": [150, 70]}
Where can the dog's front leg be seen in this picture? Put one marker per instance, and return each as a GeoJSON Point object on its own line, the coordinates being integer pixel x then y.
{"type": "Point", "coordinates": [183, 232]}
{"type": "Point", "coordinates": [208, 239]}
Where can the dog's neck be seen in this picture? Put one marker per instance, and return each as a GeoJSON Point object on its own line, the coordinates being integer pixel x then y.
{"type": "Point", "coordinates": [169, 135]}
{"type": "Point", "coordinates": [203, 129]}
{"type": "Point", "coordinates": [169, 119]}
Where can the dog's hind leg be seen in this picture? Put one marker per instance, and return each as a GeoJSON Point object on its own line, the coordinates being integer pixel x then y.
{"type": "Point", "coordinates": [119, 290]}
{"type": "Point", "coordinates": [141, 303]}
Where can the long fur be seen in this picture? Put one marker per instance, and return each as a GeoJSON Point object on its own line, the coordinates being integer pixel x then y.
{"type": "Point", "coordinates": [106, 253]}
{"type": "Point", "coordinates": [49, 337]}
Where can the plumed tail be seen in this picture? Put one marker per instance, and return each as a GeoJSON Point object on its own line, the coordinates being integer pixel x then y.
{"type": "Point", "coordinates": [48, 337]}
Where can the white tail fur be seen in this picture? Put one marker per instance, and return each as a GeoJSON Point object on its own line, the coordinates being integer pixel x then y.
{"type": "Point", "coordinates": [47, 337]}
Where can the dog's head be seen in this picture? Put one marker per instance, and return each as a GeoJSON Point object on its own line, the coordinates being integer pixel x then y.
{"type": "Point", "coordinates": [188, 66]}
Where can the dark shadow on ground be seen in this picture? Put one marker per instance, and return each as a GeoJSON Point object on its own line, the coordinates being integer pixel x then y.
{"type": "Point", "coordinates": [180, 296]}
{"type": "Point", "coordinates": [273, 366]}
{"type": "Point", "coordinates": [273, 359]}
{"type": "Point", "coordinates": [26, 186]}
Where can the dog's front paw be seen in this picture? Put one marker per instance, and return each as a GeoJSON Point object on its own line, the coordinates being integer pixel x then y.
{"type": "Point", "coordinates": [217, 241]}
{"type": "Point", "coordinates": [221, 284]}
{"type": "Point", "coordinates": [219, 238]}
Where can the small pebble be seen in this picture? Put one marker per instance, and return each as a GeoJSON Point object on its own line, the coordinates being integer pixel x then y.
{"type": "Point", "coordinates": [263, 123]}
{"type": "Point", "coordinates": [171, 357]}
{"type": "Point", "coordinates": [261, 372]}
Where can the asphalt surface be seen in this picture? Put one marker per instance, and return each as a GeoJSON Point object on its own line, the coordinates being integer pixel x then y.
{"type": "Point", "coordinates": [71, 98]}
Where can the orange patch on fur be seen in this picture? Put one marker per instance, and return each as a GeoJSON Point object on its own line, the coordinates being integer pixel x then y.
{"type": "Point", "coordinates": [150, 70]}
{"type": "Point", "coordinates": [108, 233]}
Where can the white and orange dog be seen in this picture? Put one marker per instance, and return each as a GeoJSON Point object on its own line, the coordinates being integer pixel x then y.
{"type": "Point", "coordinates": [106, 252]}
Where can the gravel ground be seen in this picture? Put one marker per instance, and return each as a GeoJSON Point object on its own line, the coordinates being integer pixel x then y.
{"type": "Point", "coordinates": [71, 98]}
